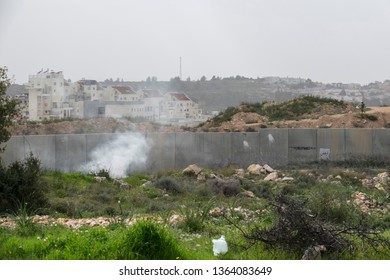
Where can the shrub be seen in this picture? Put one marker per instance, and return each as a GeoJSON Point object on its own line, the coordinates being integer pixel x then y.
{"type": "Point", "coordinates": [19, 184]}
{"type": "Point", "coordinates": [147, 240]}
{"type": "Point", "coordinates": [230, 187]}
{"type": "Point", "coordinates": [297, 229]}
{"type": "Point", "coordinates": [194, 217]}
{"type": "Point", "coordinates": [329, 202]}
{"type": "Point", "coordinates": [169, 184]}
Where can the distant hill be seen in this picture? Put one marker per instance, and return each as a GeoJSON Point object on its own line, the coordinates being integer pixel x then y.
{"type": "Point", "coordinates": [217, 94]}
{"type": "Point", "coordinates": [301, 112]}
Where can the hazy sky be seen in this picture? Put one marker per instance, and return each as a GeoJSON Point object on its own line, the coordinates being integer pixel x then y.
{"type": "Point", "coordinates": [325, 40]}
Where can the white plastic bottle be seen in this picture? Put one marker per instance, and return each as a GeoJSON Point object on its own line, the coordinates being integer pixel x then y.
{"type": "Point", "coordinates": [220, 246]}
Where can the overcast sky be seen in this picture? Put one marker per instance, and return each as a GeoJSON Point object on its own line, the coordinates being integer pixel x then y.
{"type": "Point", "coordinates": [324, 40]}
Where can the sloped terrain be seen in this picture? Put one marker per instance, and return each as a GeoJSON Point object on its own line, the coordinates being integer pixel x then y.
{"type": "Point", "coordinates": [303, 112]}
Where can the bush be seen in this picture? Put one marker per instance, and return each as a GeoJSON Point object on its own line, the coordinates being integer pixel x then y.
{"type": "Point", "coordinates": [297, 229]}
{"type": "Point", "coordinates": [329, 202]}
{"type": "Point", "coordinates": [169, 184]}
{"type": "Point", "coordinates": [147, 240]}
{"type": "Point", "coordinates": [19, 184]}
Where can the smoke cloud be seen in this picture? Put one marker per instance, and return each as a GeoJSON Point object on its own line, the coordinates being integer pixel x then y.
{"type": "Point", "coordinates": [123, 154]}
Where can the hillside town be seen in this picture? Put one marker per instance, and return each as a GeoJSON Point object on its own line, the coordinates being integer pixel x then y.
{"type": "Point", "coordinates": [51, 96]}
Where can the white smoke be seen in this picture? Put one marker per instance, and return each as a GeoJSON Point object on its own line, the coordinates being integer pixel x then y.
{"type": "Point", "coordinates": [123, 154]}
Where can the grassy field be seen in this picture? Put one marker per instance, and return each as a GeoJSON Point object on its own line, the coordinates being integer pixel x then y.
{"type": "Point", "coordinates": [169, 215]}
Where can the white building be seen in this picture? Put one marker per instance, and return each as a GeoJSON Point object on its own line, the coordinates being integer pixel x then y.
{"type": "Point", "coordinates": [52, 97]}
{"type": "Point", "coordinates": [179, 107]}
{"type": "Point", "coordinates": [48, 91]}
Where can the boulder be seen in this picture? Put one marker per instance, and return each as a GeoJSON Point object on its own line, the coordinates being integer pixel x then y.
{"type": "Point", "coordinates": [255, 169]}
{"type": "Point", "coordinates": [192, 169]}
{"type": "Point", "coordinates": [100, 179]}
{"type": "Point", "coordinates": [271, 177]}
{"type": "Point", "coordinates": [268, 168]}
{"type": "Point", "coordinates": [383, 177]}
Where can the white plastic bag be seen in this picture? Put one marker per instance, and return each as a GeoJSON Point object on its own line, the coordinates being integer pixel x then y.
{"type": "Point", "coordinates": [220, 246]}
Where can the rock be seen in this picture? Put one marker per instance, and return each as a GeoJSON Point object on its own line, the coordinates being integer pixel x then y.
{"type": "Point", "coordinates": [367, 183]}
{"type": "Point", "coordinates": [201, 177]}
{"type": "Point", "coordinates": [240, 172]}
{"type": "Point", "coordinates": [338, 177]}
{"type": "Point", "coordinates": [192, 169]}
{"type": "Point", "coordinates": [268, 168]}
{"type": "Point", "coordinates": [248, 194]}
{"type": "Point", "coordinates": [147, 184]}
{"type": "Point", "coordinates": [216, 212]}
{"type": "Point", "coordinates": [120, 183]}
{"type": "Point", "coordinates": [286, 179]}
{"type": "Point", "coordinates": [175, 219]}
{"type": "Point", "coordinates": [379, 187]}
{"type": "Point", "coordinates": [383, 177]}
{"type": "Point", "coordinates": [255, 169]}
{"type": "Point", "coordinates": [100, 179]}
{"type": "Point", "coordinates": [271, 177]}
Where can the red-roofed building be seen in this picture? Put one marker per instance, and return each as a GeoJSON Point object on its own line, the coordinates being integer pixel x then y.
{"type": "Point", "coordinates": [179, 107]}
{"type": "Point", "coordinates": [125, 93]}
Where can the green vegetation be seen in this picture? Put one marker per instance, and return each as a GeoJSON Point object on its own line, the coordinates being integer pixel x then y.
{"type": "Point", "coordinates": [9, 108]}
{"type": "Point", "coordinates": [170, 215]}
{"type": "Point", "coordinates": [289, 110]}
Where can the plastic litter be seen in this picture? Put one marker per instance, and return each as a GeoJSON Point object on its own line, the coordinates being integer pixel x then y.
{"type": "Point", "coordinates": [220, 246]}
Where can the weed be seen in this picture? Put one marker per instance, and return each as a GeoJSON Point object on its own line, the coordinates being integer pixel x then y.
{"type": "Point", "coordinates": [194, 218]}
{"type": "Point", "coordinates": [169, 184]}
{"type": "Point", "coordinates": [147, 240]}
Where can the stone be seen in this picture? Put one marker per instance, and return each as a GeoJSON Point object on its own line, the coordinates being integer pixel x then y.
{"type": "Point", "coordinates": [383, 177]}
{"type": "Point", "coordinates": [271, 177]}
{"type": "Point", "coordinates": [255, 169]}
{"type": "Point", "coordinates": [192, 169]}
{"type": "Point", "coordinates": [100, 179]}
{"type": "Point", "coordinates": [201, 177]}
{"type": "Point", "coordinates": [287, 179]}
{"type": "Point", "coordinates": [248, 194]}
{"type": "Point", "coordinates": [379, 187]}
{"type": "Point", "coordinates": [240, 172]}
{"type": "Point", "coordinates": [175, 219]}
{"type": "Point", "coordinates": [268, 168]}
{"type": "Point", "coordinates": [216, 212]}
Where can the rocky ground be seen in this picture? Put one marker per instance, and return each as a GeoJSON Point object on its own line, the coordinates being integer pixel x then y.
{"type": "Point", "coordinates": [240, 122]}
{"type": "Point", "coordinates": [325, 118]}
{"type": "Point", "coordinates": [376, 183]}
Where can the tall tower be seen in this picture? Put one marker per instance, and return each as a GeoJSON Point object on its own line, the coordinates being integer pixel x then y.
{"type": "Point", "coordinates": [180, 77]}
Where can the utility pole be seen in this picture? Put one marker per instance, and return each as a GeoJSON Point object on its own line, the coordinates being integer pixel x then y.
{"type": "Point", "coordinates": [180, 69]}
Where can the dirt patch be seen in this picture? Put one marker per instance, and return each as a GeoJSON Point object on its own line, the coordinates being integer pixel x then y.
{"type": "Point", "coordinates": [326, 117]}
{"type": "Point", "coordinates": [374, 117]}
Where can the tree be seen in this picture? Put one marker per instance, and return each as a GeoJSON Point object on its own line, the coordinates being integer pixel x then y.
{"type": "Point", "coordinates": [9, 108]}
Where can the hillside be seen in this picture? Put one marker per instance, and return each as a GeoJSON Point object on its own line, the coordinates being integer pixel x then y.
{"type": "Point", "coordinates": [302, 112]}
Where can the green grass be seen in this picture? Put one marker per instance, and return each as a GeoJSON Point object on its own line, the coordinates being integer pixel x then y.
{"type": "Point", "coordinates": [290, 110]}
{"type": "Point", "coordinates": [77, 195]}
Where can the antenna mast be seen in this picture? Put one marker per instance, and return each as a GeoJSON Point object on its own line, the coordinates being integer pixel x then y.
{"type": "Point", "coordinates": [180, 69]}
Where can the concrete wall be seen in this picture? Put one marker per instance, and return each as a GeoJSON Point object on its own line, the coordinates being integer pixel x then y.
{"type": "Point", "coordinates": [177, 150]}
